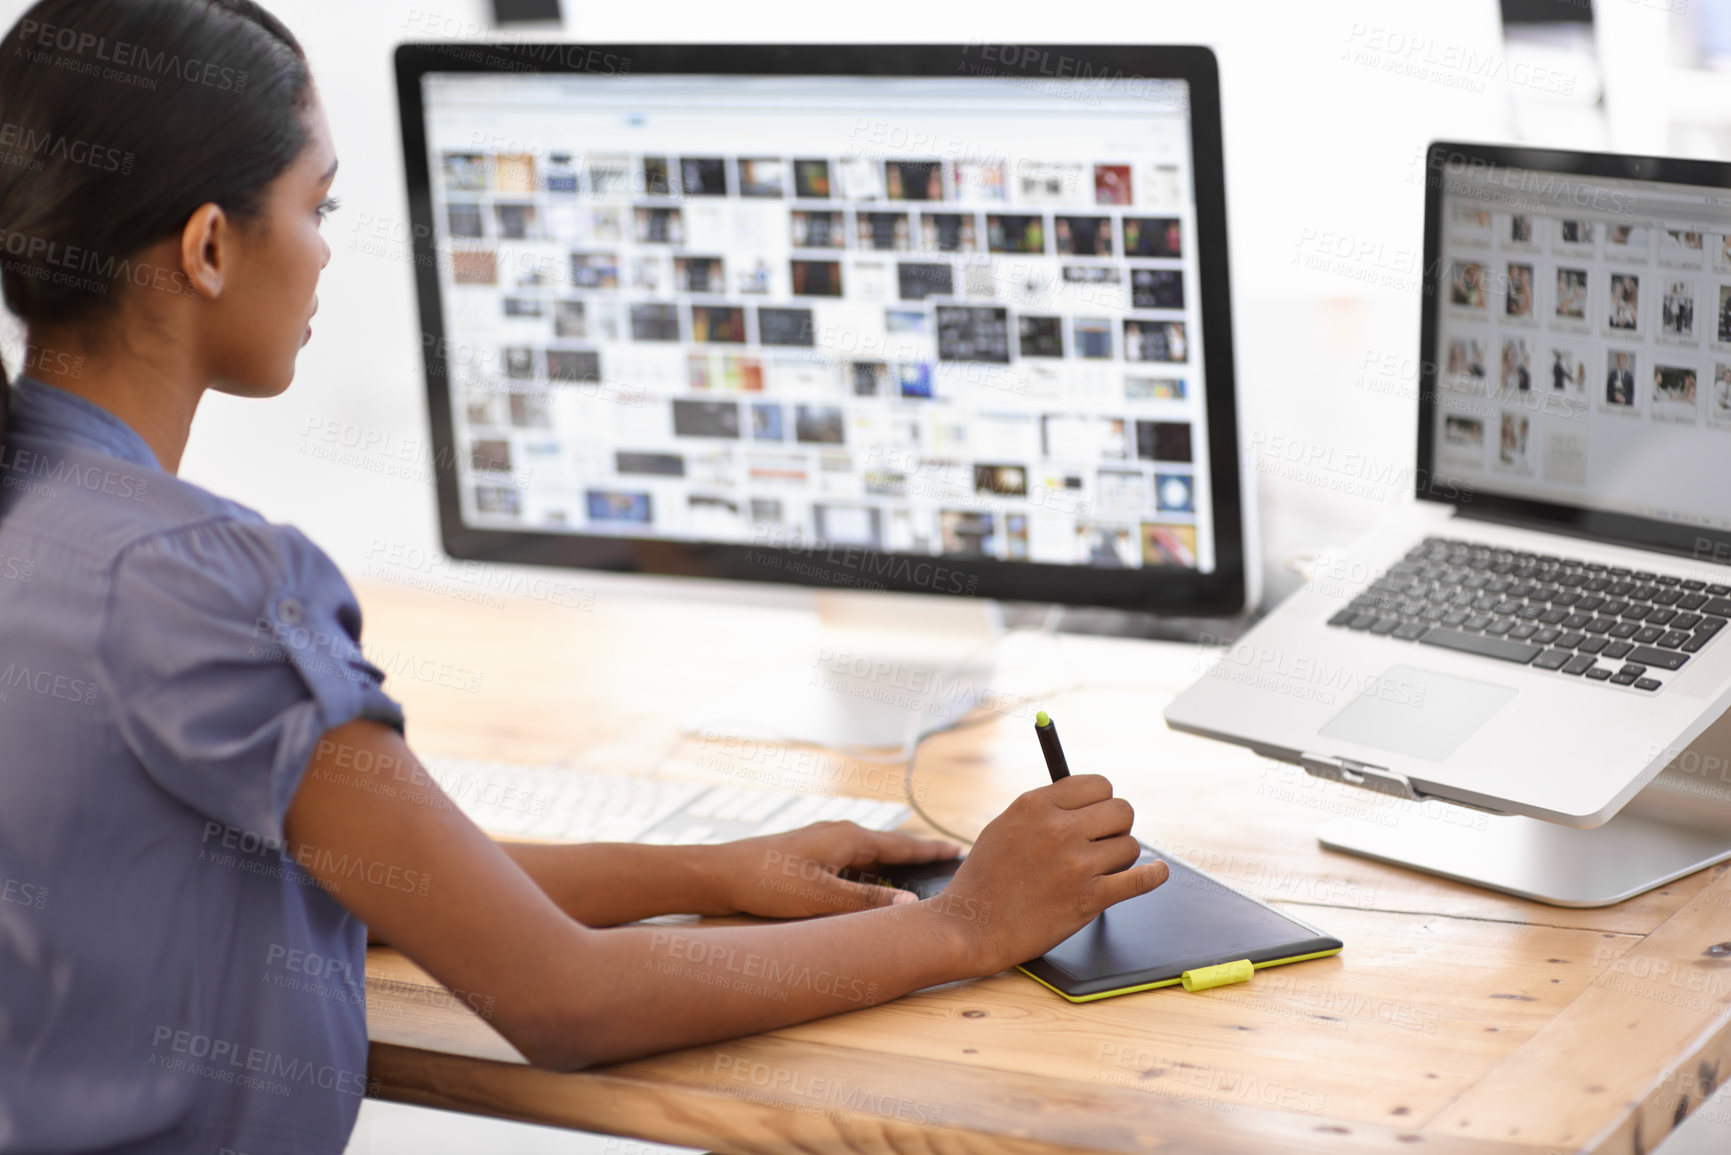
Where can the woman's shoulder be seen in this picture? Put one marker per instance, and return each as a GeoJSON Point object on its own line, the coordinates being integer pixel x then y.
{"type": "Point", "coordinates": [226, 545]}
{"type": "Point", "coordinates": [100, 507]}
{"type": "Point", "coordinates": [171, 518]}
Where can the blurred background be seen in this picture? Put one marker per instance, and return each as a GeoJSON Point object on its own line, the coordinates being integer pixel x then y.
{"type": "Point", "coordinates": [1328, 108]}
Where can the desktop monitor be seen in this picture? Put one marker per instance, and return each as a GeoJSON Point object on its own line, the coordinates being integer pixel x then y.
{"type": "Point", "coordinates": [945, 320]}
{"type": "Point", "coordinates": [911, 319]}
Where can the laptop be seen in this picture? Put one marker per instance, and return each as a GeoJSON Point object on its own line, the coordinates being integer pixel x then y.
{"type": "Point", "coordinates": [1544, 628]}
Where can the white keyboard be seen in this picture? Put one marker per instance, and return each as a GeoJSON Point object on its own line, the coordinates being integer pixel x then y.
{"type": "Point", "coordinates": [558, 804]}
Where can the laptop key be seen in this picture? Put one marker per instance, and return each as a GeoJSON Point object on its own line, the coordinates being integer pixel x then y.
{"type": "Point", "coordinates": [1516, 606]}
{"type": "Point", "coordinates": [1552, 660]}
{"type": "Point", "coordinates": [1646, 683]}
{"type": "Point", "coordinates": [1664, 659]}
{"type": "Point", "coordinates": [1476, 644]}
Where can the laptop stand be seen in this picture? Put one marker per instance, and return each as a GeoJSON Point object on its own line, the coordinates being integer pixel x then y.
{"type": "Point", "coordinates": [1678, 823]}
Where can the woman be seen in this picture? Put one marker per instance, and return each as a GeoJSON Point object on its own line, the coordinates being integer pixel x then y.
{"type": "Point", "coordinates": [191, 739]}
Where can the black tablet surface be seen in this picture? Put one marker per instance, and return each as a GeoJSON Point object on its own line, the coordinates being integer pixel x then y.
{"type": "Point", "coordinates": [1189, 923]}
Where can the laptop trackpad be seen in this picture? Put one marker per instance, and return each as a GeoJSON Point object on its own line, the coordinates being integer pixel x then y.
{"type": "Point", "coordinates": [1417, 712]}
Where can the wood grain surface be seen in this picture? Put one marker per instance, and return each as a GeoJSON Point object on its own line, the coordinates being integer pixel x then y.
{"type": "Point", "coordinates": [1455, 1020]}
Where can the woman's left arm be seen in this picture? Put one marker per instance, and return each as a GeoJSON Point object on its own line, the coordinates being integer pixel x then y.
{"type": "Point", "coordinates": [609, 883]}
{"type": "Point", "coordinates": [791, 875]}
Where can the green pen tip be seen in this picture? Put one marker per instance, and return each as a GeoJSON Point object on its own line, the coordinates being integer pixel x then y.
{"type": "Point", "coordinates": [1042, 719]}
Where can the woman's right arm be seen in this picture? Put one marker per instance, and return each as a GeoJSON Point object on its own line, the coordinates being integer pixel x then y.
{"type": "Point", "coordinates": [426, 879]}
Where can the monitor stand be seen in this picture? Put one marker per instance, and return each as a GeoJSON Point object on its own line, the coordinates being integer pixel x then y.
{"type": "Point", "coordinates": [886, 668]}
{"type": "Point", "coordinates": [1679, 823]}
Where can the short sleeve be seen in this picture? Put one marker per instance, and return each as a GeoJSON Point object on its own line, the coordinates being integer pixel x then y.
{"type": "Point", "coordinates": [229, 648]}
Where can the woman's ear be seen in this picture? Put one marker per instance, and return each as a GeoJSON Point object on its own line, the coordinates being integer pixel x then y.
{"type": "Point", "coordinates": [207, 249]}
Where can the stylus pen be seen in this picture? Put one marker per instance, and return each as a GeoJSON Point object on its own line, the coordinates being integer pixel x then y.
{"type": "Point", "coordinates": [1048, 735]}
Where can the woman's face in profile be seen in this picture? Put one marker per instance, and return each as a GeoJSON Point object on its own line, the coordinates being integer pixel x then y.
{"type": "Point", "coordinates": [264, 314]}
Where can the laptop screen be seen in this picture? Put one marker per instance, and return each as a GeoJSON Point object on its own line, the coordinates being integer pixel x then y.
{"type": "Point", "coordinates": [1582, 341]}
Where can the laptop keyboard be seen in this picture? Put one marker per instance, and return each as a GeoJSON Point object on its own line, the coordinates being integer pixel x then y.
{"type": "Point", "coordinates": [1595, 622]}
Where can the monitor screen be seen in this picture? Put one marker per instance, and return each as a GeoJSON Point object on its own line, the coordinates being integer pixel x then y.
{"type": "Point", "coordinates": [1583, 341]}
{"type": "Point", "coordinates": [956, 317]}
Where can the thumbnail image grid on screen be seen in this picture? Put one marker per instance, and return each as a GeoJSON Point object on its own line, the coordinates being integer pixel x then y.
{"type": "Point", "coordinates": [1584, 348]}
{"type": "Point", "coordinates": [736, 324]}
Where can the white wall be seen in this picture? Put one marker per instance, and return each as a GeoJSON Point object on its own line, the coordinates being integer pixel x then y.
{"type": "Point", "coordinates": [1326, 115]}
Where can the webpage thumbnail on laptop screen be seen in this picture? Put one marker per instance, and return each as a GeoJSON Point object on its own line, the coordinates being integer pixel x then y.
{"type": "Point", "coordinates": [1584, 342]}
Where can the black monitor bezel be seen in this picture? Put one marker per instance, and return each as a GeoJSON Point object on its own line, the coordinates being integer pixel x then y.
{"type": "Point", "coordinates": [1154, 589]}
{"type": "Point", "coordinates": [1692, 541]}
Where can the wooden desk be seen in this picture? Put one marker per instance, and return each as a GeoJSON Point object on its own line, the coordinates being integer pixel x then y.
{"type": "Point", "coordinates": [1454, 1021]}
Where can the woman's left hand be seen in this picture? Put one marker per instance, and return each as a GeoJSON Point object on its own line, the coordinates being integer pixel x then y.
{"type": "Point", "coordinates": [793, 875]}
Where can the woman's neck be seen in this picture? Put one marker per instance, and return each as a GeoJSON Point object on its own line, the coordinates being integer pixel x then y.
{"type": "Point", "coordinates": [152, 395]}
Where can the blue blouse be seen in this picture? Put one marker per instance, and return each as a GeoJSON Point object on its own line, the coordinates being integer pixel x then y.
{"type": "Point", "coordinates": [171, 979]}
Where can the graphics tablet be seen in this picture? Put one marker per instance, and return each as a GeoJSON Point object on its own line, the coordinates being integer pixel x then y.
{"type": "Point", "coordinates": [1187, 924]}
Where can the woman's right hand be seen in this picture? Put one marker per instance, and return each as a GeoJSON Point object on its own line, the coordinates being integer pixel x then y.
{"type": "Point", "coordinates": [1043, 869]}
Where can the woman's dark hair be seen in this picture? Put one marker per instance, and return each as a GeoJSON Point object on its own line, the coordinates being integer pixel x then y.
{"type": "Point", "coordinates": [118, 118]}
